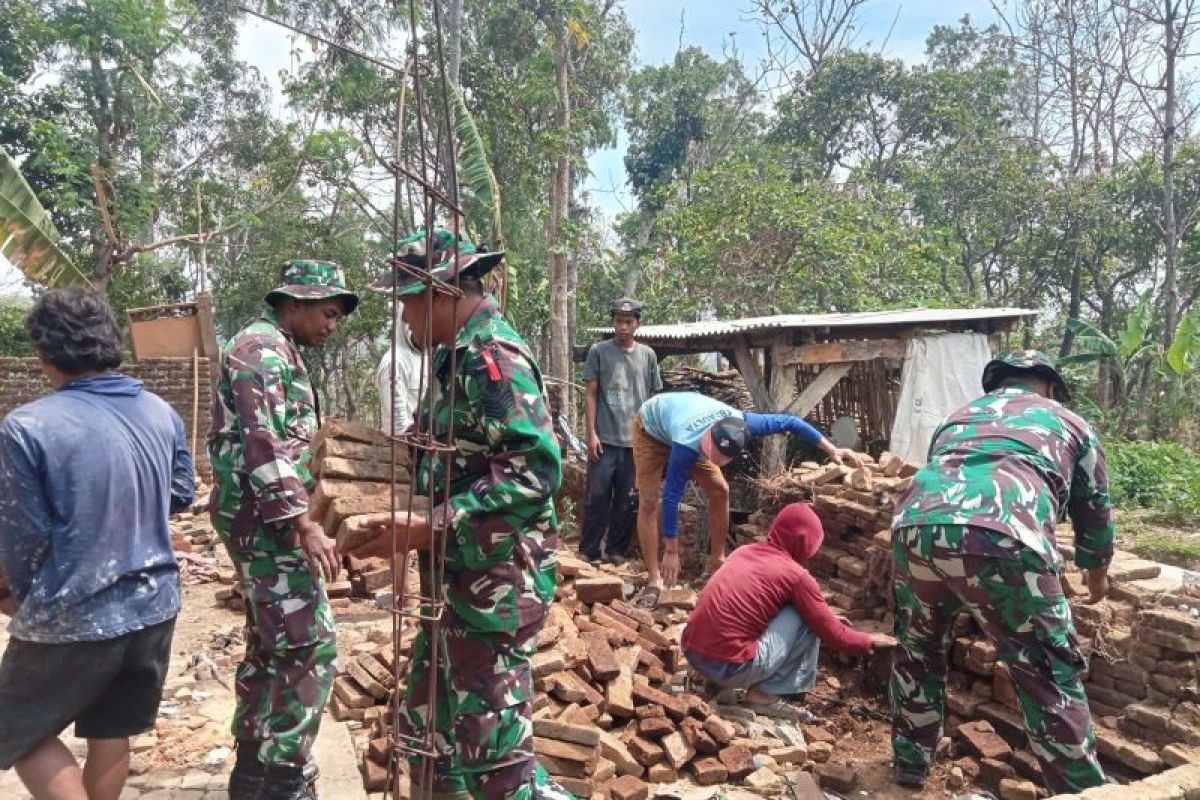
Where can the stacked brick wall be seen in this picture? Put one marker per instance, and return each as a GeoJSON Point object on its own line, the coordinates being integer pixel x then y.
{"type": "Point", "coordinates": [21, 381]}
{"type": "Point", "coordinates": [1143, 683]}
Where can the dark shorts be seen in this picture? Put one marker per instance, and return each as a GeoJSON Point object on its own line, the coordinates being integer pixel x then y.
{"type": "Point", "coordinates": [109, 689]}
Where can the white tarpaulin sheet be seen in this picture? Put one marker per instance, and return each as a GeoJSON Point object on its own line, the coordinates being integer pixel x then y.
{"type": "Point", "coordinates": [941, 374]}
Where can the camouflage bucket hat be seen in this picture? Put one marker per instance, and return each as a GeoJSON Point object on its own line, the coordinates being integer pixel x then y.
{"type": "Point", "coordinates": [408, 265]}
{"type": "Point", "coordinates": [308, 279]}
{"type": "Point", "coordinates": [1020, 361]}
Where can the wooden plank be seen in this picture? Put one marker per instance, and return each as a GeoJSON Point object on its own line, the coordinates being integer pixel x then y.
{"type": "Point", "coordinates": [843, 351]}
{"type": "Point", "coordinates": [816, 391]}
{"type": "Point", "coordinates": [747, 364]}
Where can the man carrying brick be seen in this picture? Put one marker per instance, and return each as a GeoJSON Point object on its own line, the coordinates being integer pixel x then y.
{"type": "Point", "coordinates": [761, 619]}
{"type": "Point", "coordinates": [976, 533]}
{"type": "Point", "coordinates": [499, 526]}
{"type": "Point", "coordinates": [620, 374]}
{"type": "Point", "coordinates": [264, 416]}
{"type": "Point", "coordinates": [690, 435]}
{"type": "Point", "coordinates": [88, 477]}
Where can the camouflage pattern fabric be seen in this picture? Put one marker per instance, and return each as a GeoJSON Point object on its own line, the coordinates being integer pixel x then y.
{"type": "Point", "coordinates": [1013, 462]}
{"type": "Point", "coordinates": [263, 419]}
{"type": "Point", "coordinates": [1018, 602]}
{"type": "Point", "coordinates": [307, 279]}
{"type": "Point", "coordinates": [450, 258]}
{"type": "Point", "coordinates": [286, 676]}
{"type": "Point", "coordinates": [500, 568]}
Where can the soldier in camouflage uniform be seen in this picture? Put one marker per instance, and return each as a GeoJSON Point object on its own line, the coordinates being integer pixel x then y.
{"type": "Point", "coordinates": [976, 533]}
{"type": "Point", "coordinates": [264, 416]}
{"type": "Point", "coordinates": [500, 526]}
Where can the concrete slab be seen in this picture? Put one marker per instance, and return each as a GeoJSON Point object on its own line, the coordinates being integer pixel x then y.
{"type": "Point", "coordinates": [335, 755]}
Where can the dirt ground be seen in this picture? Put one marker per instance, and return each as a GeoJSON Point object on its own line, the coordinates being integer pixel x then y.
{"type": "Point", "coordinates": [1151, 535]}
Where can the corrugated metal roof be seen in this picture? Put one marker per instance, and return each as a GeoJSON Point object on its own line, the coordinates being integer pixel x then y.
{"type": "Point", "coordinates": [930, 317]}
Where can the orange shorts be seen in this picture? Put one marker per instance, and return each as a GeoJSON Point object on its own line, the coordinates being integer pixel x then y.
{"type": "Point", "coordinates": [650, 458]}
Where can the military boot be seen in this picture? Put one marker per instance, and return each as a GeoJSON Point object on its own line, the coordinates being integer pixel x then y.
{"type": "Point", "coordinates": [288, 782]}
{"type": "Point", "coordinates": [247, 777]}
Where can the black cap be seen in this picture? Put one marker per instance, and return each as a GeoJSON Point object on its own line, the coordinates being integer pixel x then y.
{"type": "Point", "coordinates": [729, 437]}
{"type": "Point", "coordinates": [626, 305]}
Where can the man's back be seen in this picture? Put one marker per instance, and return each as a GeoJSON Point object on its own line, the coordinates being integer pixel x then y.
{"type": "Point", "coordinates": [1013, 462]}
{"type": "Point", "coordinates": [683, 417]}
{"type": "Point", "coordinates": [94, 470]}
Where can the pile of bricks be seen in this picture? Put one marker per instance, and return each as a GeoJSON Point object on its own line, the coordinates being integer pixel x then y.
{"type": "Point", "coordinates": [855, 506]}
{"type": "Point", "coordinates": [612, 709]}
{"type": "Point", "coordinates": [1144, 641]}
{"type": "Point", "coordinates": [350, 464]}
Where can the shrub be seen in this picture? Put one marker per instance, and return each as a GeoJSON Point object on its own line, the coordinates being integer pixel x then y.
{"type": "Point", "coordinates": [1157, 475]}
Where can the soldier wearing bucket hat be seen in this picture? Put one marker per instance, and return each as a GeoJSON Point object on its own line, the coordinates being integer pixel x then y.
{"type": "Point", "coordinates": [500, 527]}
{"type": "Point", "coordinates": [264, 416]}
{"type": "Point", "coordinates": [976, 533]}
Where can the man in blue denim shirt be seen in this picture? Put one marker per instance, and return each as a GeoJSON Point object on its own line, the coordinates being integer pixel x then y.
{"type": "Point", "coordinates": [88, 477]}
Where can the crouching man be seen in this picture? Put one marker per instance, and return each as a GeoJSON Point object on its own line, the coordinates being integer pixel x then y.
{"type": "Point", "coordinates": [760, 620]}
{"type": "Point", "coordinates": [88, 477]}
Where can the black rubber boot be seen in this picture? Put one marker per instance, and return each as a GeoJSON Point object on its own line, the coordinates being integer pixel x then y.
{"type": "Point", "coordinates": [247, 777]}
{"type": "Point", "coordinates": [286, 782]}
{"type": "Point", "coordinates": [910, 777]}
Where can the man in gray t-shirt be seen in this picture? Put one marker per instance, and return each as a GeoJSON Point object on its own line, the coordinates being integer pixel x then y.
{"type": "Point", "coordinates": [621, 374]}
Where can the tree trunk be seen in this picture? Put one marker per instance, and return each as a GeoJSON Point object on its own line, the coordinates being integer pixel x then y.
{"type": "Point", "coordinates": [454, 18]}
{"type": "Point", "coordinates": [560, 191]}
{"type": "Point", "coordinates": [633, 270]}
{"type": "Point", "coordinates": [1170, 294]}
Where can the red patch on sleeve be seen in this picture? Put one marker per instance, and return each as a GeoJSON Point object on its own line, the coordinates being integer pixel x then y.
{"type": "Point", "coordinates": [493, 370]}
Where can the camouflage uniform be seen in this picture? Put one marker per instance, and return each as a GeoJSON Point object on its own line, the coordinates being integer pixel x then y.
{"type": "Point", "coordinates": [500, 569]}
{"type": "Point", "coordinates": [263, 419]}
{"type": "Point", "coordinates": [976, 533]}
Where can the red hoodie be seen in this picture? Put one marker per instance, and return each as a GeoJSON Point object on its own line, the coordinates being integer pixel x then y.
{"type": "Point", "coordinates": [755, 582]}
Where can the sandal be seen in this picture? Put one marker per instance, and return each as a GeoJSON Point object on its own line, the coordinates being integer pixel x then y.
{"type": "Point", "coordinates": [647, 598]}
{"type": "Point", "coordinates": [776, 709]}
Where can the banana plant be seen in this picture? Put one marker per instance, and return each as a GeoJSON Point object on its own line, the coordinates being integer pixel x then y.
{"type": "Point", "coordinates": [1131, 347]}
{"type": "Point", "coordinates": [479, 188]}
{"type": "Point", "coordinates": [1184, 352]}
{"type": "Point", "coordinates": [476, 179]}
{"type": "Point", "coordinates": [28, 238]}
{"type": "Point", "coordinates": [1130, 352]}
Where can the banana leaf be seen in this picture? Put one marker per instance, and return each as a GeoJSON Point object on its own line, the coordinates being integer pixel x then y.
{"type": "Point", "coordinates": [1090, 339]}
{"type": "Point", "coordinates": [475, 172]}
{"type": "Point", "coordinates": [28, 238]}
{"type": "Point", "coordinates": [1186, 344]}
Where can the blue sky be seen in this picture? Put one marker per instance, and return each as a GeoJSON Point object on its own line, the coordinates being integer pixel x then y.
{"type": "Point", "coordinates": [899, 29]}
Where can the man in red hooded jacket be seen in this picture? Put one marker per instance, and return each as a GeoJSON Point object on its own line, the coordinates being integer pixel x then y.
{"type": "Point", "coordinates": [761, 619]}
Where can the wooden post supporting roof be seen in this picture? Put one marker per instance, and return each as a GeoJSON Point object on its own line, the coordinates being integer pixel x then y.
{"type": "Point", "coordinates": [783, 387]}
{"type": "Point", "coordinates": [747, 364]}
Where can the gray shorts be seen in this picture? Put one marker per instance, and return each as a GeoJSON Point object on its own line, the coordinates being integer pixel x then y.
{"type": "Point", "coordinates": [109, 689]}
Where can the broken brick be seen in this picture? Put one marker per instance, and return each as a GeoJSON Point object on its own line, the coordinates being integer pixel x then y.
{"type": "Point", "coordinates": [709, 771]}
{"type": "Point", "coordinates": [737, 760]}
{"type": "Point", "coordinates": [628, 787]}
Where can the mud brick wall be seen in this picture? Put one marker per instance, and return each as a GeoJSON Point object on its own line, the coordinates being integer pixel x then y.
{"type": "Point", "coordinates": [21, 381]}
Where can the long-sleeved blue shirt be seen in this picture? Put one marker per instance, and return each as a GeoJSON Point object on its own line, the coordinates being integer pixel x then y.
{"type": "Point", "coordinates": [680, 419]}
{"type": "Point", "coordinates": [88, 477]}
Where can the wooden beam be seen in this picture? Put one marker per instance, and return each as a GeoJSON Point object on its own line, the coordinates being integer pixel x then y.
{"type": "Point", "coordinates": [783, 386]}
{"type": "Point", "coordinates": [747, 364]}
{"type": "Point", "coordinates": [816, 391]}
{"type": "Point", "coordinates": [841, 352]}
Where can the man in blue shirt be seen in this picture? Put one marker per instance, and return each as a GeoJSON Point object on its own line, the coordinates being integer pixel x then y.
{"type": "Point", "coordinates": [88, 477]}
{"type": "Point", "coordinates": [689, 434]}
